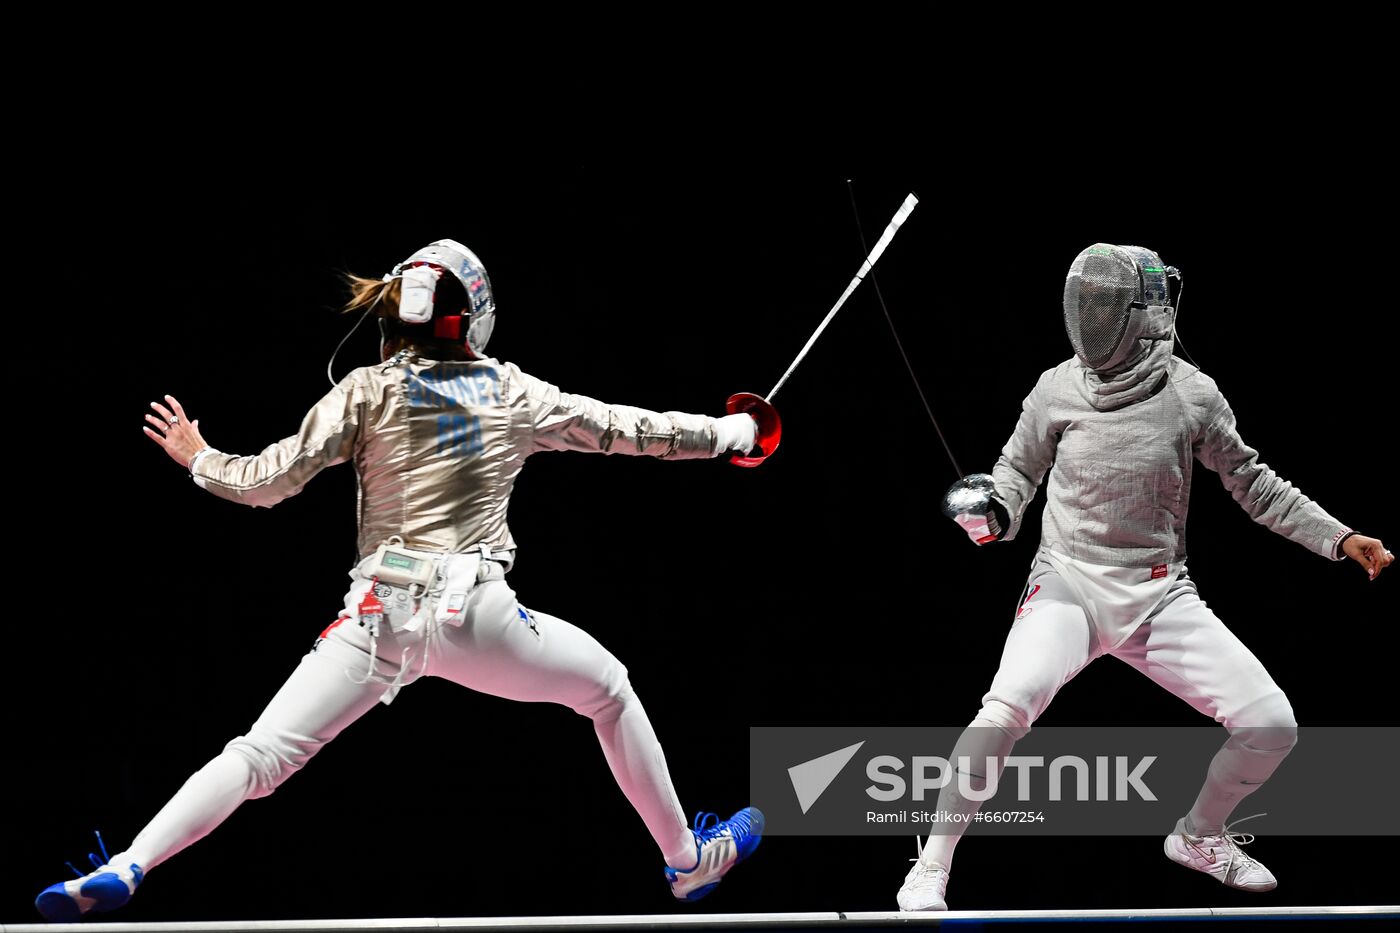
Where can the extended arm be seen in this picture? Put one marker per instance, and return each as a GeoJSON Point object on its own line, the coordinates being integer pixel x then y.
{"type": "Point", "coordinates": [563, 421]}
{"type": "Point", "coordinates": [326, 437]}
{"type": "Point", "coordinates": [1269, 499]}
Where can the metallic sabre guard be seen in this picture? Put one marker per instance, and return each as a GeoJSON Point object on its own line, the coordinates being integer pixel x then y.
{"type": "Point", "coordinates": [970, 494]}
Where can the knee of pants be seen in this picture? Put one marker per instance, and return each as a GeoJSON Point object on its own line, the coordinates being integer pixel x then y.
{"type": "Point", "coordinates": [611, 698]}
{"type": "Point", "coordinates": [1266, 726]}
{"type": "Point", "coordinates": [1010, 714]}
{"type": "Point", "coordinates": [271, 758]}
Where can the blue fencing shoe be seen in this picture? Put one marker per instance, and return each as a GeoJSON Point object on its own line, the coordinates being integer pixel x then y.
{"type": "Point", "coordinates": [719, 846]}
{"type": "Point", "coordinates": [107, 887]}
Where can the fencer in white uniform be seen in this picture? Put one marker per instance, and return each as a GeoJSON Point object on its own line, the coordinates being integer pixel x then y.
{"type": "Point", "coordinates": [1117, 428]}
{"type": "Point", "coordinates": [437, 433]}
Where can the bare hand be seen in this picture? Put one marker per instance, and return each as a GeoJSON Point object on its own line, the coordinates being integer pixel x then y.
{"type": "Point", "coordinates": [1369, 553]}
{"type": "Point", "coordinates": [176, 434]}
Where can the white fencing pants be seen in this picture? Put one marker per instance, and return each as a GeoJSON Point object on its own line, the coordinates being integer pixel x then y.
{"type": "Point", "coordinates": [499, 649]}
{"type": "Point", "coordinates": [1181, 645]}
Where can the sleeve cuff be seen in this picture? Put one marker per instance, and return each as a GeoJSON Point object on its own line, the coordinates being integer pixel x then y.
{"type": "Point", "coordinates": [1012, 523]}
{"type": "Point", "coordinates": [194, 462]}
{"type": "Point", "coordinates": [1342, 534]}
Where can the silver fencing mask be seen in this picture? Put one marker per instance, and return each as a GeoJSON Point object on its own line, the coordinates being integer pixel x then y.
{"type": "Point", "coordinates": [1115, 298]}
{"type": "Point", "coordinates": [469, 318]}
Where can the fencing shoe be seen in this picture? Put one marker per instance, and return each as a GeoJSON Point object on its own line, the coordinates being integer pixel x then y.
{"type": "Point", "coordinates": [924, 886]}
{"type": "Point", "coordinates": [107, 887]}
{"type": "Point", "coordinates": [719, 846]}
{"type": "Point", "coordinates": [1220, 856]}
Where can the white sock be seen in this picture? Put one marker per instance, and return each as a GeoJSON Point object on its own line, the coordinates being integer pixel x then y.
{"type": "Point", "coordinates": [683, 855]}
{"type": "Point", "coordinates": [981, 740]}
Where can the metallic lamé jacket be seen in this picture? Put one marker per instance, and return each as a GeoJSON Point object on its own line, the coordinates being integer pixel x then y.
{"type": "Point", "coordinates": [437, 447]}
{"type": "Point", "coordinates": [1120, 466]}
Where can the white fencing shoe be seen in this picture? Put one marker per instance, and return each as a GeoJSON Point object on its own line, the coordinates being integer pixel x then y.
{"type": "Point", "coordinates": [1219, 856]}
{"type": "Point", "coordinates": [924, 886]}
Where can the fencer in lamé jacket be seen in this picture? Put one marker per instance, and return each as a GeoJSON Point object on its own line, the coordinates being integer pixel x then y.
{"type": "Point", "coordinates": [437, 447]}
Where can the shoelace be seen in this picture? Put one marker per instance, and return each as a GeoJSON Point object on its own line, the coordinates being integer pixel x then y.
{"type": "Point", "coordinates": [708, 826]}
{"type": "Point", "coordinates": [919, 856]}
{"type": "Point", "coordinates": [925, 871]}
{"type": "Point", "coordinates": [92, 857]}
{"type": "Point", "coordinates": [1231, 841]}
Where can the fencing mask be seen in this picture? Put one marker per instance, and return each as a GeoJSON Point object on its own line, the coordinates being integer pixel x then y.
{"type": "Point", "coordinates": [445, 286]}
{"type": "Point", "coordinates": [1116, 297]}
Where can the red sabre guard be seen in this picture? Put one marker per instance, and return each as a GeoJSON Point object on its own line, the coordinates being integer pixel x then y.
{"type": "Point", "coordinates": [770, 426]}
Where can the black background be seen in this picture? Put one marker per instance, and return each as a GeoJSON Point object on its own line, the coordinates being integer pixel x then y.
{"type": "Point", "coordinates": [150, 621]}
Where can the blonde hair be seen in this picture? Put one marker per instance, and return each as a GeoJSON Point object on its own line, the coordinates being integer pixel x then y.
{"type": "Point", "coordinates": [383, 297]}
{"type": "Point", "coordinates": [364, 293]}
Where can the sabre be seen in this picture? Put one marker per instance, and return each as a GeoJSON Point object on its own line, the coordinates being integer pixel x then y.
{"type": "Point", "coordinates": [761, 407]}
{"type": "Point", "coordinates": [899, 217]}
